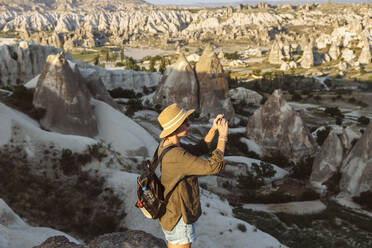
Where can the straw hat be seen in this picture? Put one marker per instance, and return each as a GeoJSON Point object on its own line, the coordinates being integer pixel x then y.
{"type": "Point", "coordinates": [172, 118]}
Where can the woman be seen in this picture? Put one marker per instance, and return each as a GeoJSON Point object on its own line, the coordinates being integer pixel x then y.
{"type": "Point", "coordinates": [182, 164]}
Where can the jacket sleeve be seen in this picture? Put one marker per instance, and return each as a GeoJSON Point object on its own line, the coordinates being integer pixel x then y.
{"type": "Point", "coordinates": [187, 164]}
{"type": "Point", "coordinates": [199, 149]}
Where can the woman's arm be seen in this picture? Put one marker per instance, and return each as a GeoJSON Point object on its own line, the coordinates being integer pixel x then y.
{"type": "Point", "coordinates": [210, 135]}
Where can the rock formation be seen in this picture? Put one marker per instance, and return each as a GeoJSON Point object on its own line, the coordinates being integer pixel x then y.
{"type": "Point", "coordinates": [247, 96]}
{"type": "Point", "coordinates": [179, 85]}
{"type": "Point", "coordinates": [357, 167]}
{"type": "Point", "coordinates": [213, 86]}
{"type": "Point", "coordinates": [20, 62]}
{"type": "Point", "coordinates": [365, 55]}
{"type": "Point", "coordinates": [334, 51]}
{"type": "Point", "coordinates": [276, 55]}
{"type": "Point", "coordinates": [348, 55]}
{"type": "Point", "coordinates": [280, 130]}
{"type": "Point", "coordinates": [307, 60]}
{"type": "Point", "coordinates": [66, 99]}
{"type": "Point", "coordinates": [332, 153]}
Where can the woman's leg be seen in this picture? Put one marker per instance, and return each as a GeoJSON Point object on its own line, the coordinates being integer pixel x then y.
{"type": "Point", "coordinates": [170, 245]}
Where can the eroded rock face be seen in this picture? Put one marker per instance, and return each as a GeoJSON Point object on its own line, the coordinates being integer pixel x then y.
{"type": "Point", "coordinates": [66, 99]}
{"type": "Point", "coordinates": [129, 239]}
{"type": "Point", "coordinates": [20, 62]}
{"type": "Point", "coordinates": [365, 55]}
{"type": "Point", "coordinates": [334, 51]}
{"type": "Point", "coordinates": [307, 60]}
{"type": "Point", "coordinates": [179, 85]}
{"type": "Point", "coordinates": [357, 168]}
{"type": "Point", "coordinates": [329, 160]}
{"type": "Point", "coordinates": [213, 85]}
{"type": "Point", "coordinates": [280, 130]}
{"type": "Point", "coordinates": [276, 54]}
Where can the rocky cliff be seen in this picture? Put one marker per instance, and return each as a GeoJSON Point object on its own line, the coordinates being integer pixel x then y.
{"type": "Point", "coordinates": [66, 99]}
{"type": "Point", "coordinates": [179, 85]}
{"type": "Point", "coordinates": [20, 62]}
{"type": "Point", "coordinates": [278, 129]}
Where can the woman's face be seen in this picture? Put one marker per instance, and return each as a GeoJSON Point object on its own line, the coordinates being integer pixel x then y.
{"type": "Point", "coordinates": [184, 129]}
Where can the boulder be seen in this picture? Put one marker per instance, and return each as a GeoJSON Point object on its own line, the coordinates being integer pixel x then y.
{"type": "Point", "coordinates": [357, 167]}
{"type": "Point", "coordinates": [213, 85]}
{"type": "Point", "coordinates": [247, 96]}
{"type": "Point", "coordinates": [348, 55]}
{"type": "Point", "coordinates": [128, 239]}
{"type": "Point", "coordinates": [66, 99]}
{"type": "Point", "coordinates": [276, 54]}
{"type": "Point", "coordinates": [280, 130]}
{"type": "Point", "coordinates": [58, 242]}
{"type": "Point", "coordinates": [179, 85]}
{"type": "Point", "coordinates": [329, 160]}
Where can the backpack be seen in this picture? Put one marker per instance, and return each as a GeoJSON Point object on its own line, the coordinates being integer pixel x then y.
{"type": "Point", "coordinates": [150, 191]}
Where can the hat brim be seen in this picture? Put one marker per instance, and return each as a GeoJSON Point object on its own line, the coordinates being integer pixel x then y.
{"type": "Point", "coordinates": [167, 132]}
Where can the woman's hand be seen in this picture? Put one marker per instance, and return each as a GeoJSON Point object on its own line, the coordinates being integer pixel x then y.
{"type": "Point", "coordinates": [215, 124]}
{"type": "Point", "coordinates": [223, 128]}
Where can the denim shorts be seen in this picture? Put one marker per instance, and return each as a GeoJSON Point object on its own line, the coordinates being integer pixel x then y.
{"type": "Point", "coordinates": [181, 234]}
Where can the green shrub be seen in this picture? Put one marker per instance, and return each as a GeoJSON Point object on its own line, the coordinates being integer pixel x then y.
{"type": "Point", "coordinates": [364, 199]}
{"type": "Point", "coordinates": [255, 178]}
{"type": "Point", "coordinates": [363, 120]}
{"type": "Point", "coordinates": [309, 195]}
{"type": "Point", "coordinates": [131, 64]}
{"type": "Point", "coordinates": [123, 93]}
{"type": "Point", "coordinates": [279, 160]}
{"type": "Point", "coordinates": [97, 151]}
{"type": "Point", "coordinates": [119, 64]}
{"type": "Point", "coordinates": [232, 56]}
{"type": "Point", "coordinates": [303, 169]}
{"type": "Point", "coordinates": [133, 105]}
{"type": "Point", "coordinates": [322, 135]}
{"type": "Point", "coordinates": [334, 111]}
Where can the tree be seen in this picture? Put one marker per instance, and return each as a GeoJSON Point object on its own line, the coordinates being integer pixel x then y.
{"type": "Point", "coordinates": [163, 65]}
{"type": "Point", "coordinates": [122, 54]}
{"type": "Point", "coordinates": [96, 60]}
{"type": "Point", "coordinates": [152, 64]}
{"type": "Point", "coordinates": [107, 54]}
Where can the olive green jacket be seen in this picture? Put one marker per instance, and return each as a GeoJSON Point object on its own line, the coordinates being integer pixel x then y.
{"type": "Point", "coordinates": [183, 163]}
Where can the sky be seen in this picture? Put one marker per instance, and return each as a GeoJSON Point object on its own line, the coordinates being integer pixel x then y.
{"type": "Point", "coordinates": [226, 2]}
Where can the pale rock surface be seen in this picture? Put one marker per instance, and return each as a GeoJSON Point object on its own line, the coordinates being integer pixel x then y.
{"type": "Point", "coordinates": [20, 62]}
{"type": "Point", "coordinates": [334, 51]}
{"type": "Point", "coordinates": [248, 96]}
{"type": "Point", "coordinates": [332, 153]}
{"type": "Point", "coordinates": [348, 55]}
{"type": "Point", "coordinates": [66, 99]}
{"type": "Point", "coordinates": [365, 55]}
{"type": "Point", "coordinates": [285, 66]}
{"type": "Point", "coordinates": [276, 54]}
{"type": "Point", "coordinates": [307, 60]}
{"type": "Point", "coordinates": [278, 129]}
{"type": "Point", "coordinates": [357, 167]}
{"type": "Point", "coordinates": [15, 233]}
{"type": "Point", "coordinates": [179, 85]}
{"type": "Point", "coordinates": [213, 86]}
